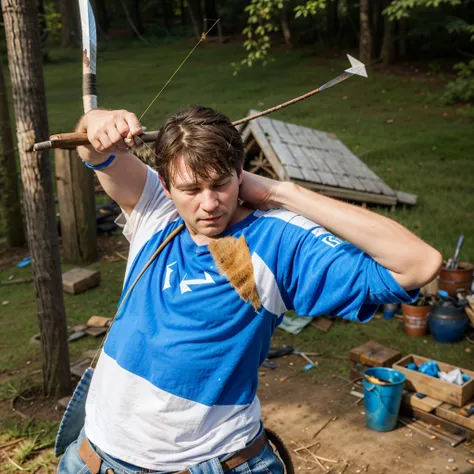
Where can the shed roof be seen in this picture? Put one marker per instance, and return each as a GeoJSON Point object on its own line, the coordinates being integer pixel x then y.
{"type": "Point", "coordinates": [316, 159]}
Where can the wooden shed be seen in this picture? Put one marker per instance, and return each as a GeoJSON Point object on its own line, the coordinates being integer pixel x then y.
{"type": "Point", "coordinates": [314, 159]}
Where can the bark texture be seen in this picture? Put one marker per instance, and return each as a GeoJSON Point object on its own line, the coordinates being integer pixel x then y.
{"type": "Point", "coordinates": [365, 44]}
{"type": "Point", "coordinates": [388, 52]}
{"type": "Point", "coordinates": [70, 31]}
{"type": "Point", "coordinates": [26, 71]}
{"type": "Point", "coordinates": [9, 189]}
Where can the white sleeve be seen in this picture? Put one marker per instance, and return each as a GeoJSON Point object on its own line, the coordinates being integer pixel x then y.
{"type": "Point", "coordinates": [152, 212]}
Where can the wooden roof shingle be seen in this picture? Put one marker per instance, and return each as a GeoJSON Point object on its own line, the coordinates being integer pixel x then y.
{"type": "Point", "coordinates": [318, 160]}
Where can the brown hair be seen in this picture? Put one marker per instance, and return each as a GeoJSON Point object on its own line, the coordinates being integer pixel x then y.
{"type": "Point", "coordinates": [205, 139]}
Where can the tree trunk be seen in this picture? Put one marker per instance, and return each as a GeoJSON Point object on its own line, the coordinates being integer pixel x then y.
{"type": "Point", "coordinates": [26, 71]}
{"type": "Point", "coordinates": [388, 51]}
{"type": "Point", "coordinates": [167, 13]}
{"type": "Point", "coordinates": [182, 8]}
{"type": "Point", "coordinates": [332, 18]}
{"type": "Point", "coordinates": [365, 41]}
{"type": "Point", "coordinates": [70, 34]}
{"type": "Point", "coordinates": [285, 27]}
{"type": "Point", "coordinates": [9, 190]}
{"type": "Point", "coordinates": [376, 27]}
{"type": "Point", "coordinates": [137, 16]}
{"type": "Point", "coordinates": [102, 16]}
{"type": "Point", "coordinates": [131, 22]}
{"type": "Point", "coordinates": [192, 14]}
{"type": "Point", "coordinates": [210, 15]}
{"type": "Point", "coordinates": [402, 38]}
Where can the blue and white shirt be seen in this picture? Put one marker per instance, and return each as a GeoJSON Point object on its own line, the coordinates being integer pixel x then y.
{"type": "Point", "coordinates": [176, 383]}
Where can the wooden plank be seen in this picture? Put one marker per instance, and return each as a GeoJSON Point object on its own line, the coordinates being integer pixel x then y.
{"type": "Point", "coordinates": [323, 324]}
{"type": "Point", "coordinates": [311, 138]}
{"type": "Point", "coordinates": [322, 139]}
{"type": "Point", "coordinates": [302, 160]}
{"type": "Point", "coordinates": [436, 420]}
{"type": "Point", "coordinates": [374, 354]}
{"type": "Point", "coordinates": [246, 133]}
{"type": "Point", "coordinates": [343, 181]}
{"type": "Point", "coordinates": [306, 162]}
{"type": "Point", "coordinates": [268, 129]}
{"type": "Point", "coordinates": [457, 395]}
{"type": "Point", "coordinates": [298, 155]}
{"type": "Point", "coordinates": [283, 132]}
{"type": "Point", "coordinates": [311, 176]}
{"type": "Point", "coordinates": [331, 162]}
{"type": "Point", "coordinates": [76, 198]}
{"type": "Point", "coordinates": [348, 194]}
{"type": "Point", "coordinates": [317, 139]}
{"type": "Point", "coordinates": [327, 179]}
{"type": "Point", "coordinates": [298, 133]}
{"type": "Point", "coordinates": [315, 157]}
{"type": "Point", "coordinates": [268, 151]}
{"type": "Point", "coordinates": [370, 186]}
{"type": "Point", "coordinates": [450, 413]}
{"type": "Point", "coordinates": [406, 198]}
{"type": "Point", "coordinates": [355, 182]}
{"type": "Point", "coordinates": [426, 404]}
{"type": "Point", "coordinates": [294, 172]}
{"type": "Point", "coordinates": [383, 187]}
{"type": "Point", "coordinates": [284, 154]}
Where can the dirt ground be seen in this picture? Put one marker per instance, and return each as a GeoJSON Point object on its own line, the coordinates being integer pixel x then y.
{"type": "Point", "coordinates": [296, 408]}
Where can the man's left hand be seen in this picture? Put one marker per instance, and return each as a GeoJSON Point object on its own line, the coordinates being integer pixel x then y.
{"type": "Point", "coordinates": [259, 192]}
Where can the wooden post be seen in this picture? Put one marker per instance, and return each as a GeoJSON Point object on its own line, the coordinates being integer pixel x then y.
{"type": "Point", "coordinates": [75, 187]}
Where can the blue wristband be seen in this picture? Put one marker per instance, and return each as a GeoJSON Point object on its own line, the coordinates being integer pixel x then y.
{"type": "Point", "coordinates": [101, 166]}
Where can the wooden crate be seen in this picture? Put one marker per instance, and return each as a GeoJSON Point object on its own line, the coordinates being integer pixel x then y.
{"type": "Point", "coordinates": [450, 413]}
{"type": "Point", "coordinates": [457, 395]}
{"type": "Point", "coordinates": [371, 354]}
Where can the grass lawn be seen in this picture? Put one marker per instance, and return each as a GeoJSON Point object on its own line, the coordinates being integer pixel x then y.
{"type": "Point", "coordinates": [396, 123]}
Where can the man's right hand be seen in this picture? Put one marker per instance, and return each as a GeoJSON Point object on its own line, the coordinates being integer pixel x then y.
{"type": "Point", "coordinates": [108, 130]}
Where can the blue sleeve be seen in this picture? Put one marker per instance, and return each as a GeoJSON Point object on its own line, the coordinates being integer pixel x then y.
{"type": "Point", "coordinates": [321, 274]}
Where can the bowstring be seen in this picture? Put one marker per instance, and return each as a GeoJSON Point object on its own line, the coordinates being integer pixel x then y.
{"type": "Point", "coordinates": [203, 37]}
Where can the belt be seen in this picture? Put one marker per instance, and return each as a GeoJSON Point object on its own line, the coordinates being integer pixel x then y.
{"type": "Point", "coordinates": [94, 462]}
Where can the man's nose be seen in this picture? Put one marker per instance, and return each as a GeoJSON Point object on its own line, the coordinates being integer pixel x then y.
{"type": "Point", "coordinates": [209, 201]}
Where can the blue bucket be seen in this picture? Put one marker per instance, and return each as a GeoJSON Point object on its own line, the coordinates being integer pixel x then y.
{"type": "Point", "coordinates": [382, 402]}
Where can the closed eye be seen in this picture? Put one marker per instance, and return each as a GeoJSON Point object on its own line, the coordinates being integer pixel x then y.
{"type": "Point", "coordinates": [221, 185]}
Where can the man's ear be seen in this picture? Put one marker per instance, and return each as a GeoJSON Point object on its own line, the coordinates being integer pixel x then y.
{"type": "Point", "coordinates": [165, 189]}
{"type": "Point", "coordinates": [240, 175]}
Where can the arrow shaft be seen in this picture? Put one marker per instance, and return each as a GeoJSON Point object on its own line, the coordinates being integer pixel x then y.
{"type": "Point", "coordinates": [59, 143]}
{"type": "Point", "coordinates": [342, 77]}
{"type": "Point", "coordinates": [277, 107]}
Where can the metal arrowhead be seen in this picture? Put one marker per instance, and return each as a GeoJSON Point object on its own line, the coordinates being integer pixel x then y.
{"type": "Point", "coordinates": [357, 68]}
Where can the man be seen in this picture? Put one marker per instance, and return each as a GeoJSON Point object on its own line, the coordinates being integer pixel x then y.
{"type": "Point", "coordinates": [175, 386]}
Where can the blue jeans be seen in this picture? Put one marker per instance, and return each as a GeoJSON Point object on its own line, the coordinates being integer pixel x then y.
{"type": "Point", "coordinates": [265, 462]}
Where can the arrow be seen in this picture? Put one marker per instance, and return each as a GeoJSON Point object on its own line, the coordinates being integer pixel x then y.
{"type": "Point", "coordinates": [357, 68]}
{"type": "Point", "coordinates": [185, 284]}
{"type": "Point", "coordinates": [169, 271]}
{"type": "Point", "coordinates": [68, 140]}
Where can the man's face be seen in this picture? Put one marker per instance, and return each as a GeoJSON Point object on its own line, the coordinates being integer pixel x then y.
{"type": "Point", "coordinates": [206, 206]}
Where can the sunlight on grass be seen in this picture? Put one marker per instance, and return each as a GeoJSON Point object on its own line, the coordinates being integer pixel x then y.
{"type": "Point", "coordinates": [396, 124]}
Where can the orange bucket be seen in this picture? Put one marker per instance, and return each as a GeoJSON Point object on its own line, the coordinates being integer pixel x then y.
{"type": "Point", "coordinates": [415, 319]}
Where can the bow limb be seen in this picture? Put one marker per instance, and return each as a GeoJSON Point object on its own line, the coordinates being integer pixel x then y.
{"type": "Point", "coordinates": [89, 55]}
